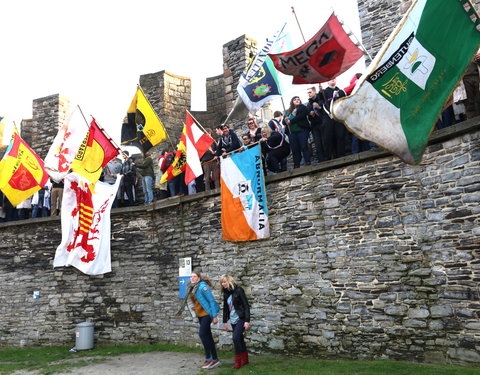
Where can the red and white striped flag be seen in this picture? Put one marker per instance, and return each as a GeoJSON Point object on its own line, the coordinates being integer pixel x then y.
{"type": "Point", "coordinates": [197, 143]}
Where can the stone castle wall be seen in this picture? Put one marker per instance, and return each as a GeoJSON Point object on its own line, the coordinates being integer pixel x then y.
{"type": "Point", "coordinates": [49, 113]}
{"type": "Point", "coordinates": [368, 258]}
{"type": "Point", "coordinates": [169, 96]}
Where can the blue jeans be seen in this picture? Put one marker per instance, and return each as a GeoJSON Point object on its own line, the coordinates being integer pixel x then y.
{"type": "Point", "coordinates": [237, 337]}
{"type": "Point", "coordinates": [147, 184]}
{"type": "Point", "coordinates": [205, 333]}
{"type": "Point", "coordinates": [176, 185]}
{"type": "Point", "coordinates": [299, 146]}
{"type": "Point", "coordinates": [35, 210]}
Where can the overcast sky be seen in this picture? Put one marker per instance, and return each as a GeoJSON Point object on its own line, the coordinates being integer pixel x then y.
{"type": "Point", "coordinates": [94, 51]}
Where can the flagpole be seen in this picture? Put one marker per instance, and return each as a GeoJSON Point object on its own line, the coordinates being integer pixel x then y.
{"type": "Point", "coordinates": [196, 121]}
{"type": "Point", "coordinates": [298, 23]}
{"type": "Point", "coordinates": [233, 108]}
{"type": "Point", "coordinates": [165, 130]}
{"type": "Point", "coordinates": [86, 122]}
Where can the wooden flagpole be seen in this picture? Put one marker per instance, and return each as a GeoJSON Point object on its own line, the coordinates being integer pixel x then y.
{"type": "Point", "coordinates": [196, 121]}
{"type": "Point", "coordinates": [81, 112]}
{"type": "Point", "coordinates": [117, 147]}
{"type": "Point", "coordinates": [298, 23]}
{"type": "Point", "coordinates": [237, 101]}
{"type": "Point", "coordinates": [241, 148]}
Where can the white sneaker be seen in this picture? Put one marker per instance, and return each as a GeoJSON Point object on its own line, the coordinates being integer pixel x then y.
{"type": "Point", "coordinates": [214, 363]}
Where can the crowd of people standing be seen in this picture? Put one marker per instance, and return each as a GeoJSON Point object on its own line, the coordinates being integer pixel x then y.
{"type": "Point", "coordinates": [302, 134]}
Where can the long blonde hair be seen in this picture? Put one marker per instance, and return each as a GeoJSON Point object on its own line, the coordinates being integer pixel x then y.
{"type": "Point", "coordinates": [230, 280]}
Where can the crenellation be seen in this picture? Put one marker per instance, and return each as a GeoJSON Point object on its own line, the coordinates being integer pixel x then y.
{"type": "Point", "coordinates": [169, 95]}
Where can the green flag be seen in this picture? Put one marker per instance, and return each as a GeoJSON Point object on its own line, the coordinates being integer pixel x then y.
{"type": "Point", "coordinates": [399, 99]}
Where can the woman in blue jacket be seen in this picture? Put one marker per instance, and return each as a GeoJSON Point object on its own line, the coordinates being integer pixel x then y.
{"type": "Point", "coordinates": [206, 309]}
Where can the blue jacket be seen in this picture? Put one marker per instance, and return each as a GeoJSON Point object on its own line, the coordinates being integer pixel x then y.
{"type": "Point", "coordinates": [206, 299]}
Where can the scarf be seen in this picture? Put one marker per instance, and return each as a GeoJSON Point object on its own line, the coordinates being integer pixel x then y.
{"type": "Point", "coordinates": [192, 290]}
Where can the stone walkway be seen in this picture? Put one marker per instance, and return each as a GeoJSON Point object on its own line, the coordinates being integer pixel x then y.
{"type": "Point", "coordinates": [155, 363]}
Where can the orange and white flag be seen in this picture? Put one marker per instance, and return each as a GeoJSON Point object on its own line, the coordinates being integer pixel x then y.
{"type": "Point", "coordinates": [243, 196]}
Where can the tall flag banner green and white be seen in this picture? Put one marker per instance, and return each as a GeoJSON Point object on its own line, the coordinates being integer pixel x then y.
{"type": "Point", "coordinates": [399, 99]}
{"type": "Point", "coordinates": [259, 83]}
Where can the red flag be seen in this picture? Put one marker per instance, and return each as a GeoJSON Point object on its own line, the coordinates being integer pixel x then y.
{"type": "Point", "coordinates": [22, 171]}
{"type": "Point", "coordinates": [197, 143]}
{"type": "Point", "coordinates": [94, 153]}
{"type": "Point", "coordinates": [327, 55]}
{"type": "Point", "coordinates": [179, 162]}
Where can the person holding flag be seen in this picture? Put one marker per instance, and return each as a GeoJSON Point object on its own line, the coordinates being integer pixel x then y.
{"type": "Point", "coordinates": [129, 175]}
{"type": "Point", "coordinates": [193, 144]}
{"type": "Point", "coordinates": [227, 142]}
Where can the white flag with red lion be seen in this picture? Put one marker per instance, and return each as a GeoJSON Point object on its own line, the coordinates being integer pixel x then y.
{"type": "Point", "coordinates": [86, 225]}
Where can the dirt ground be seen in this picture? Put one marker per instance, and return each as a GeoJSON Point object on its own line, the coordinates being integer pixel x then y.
{"type": "Point", "coordinates": [155, 363]}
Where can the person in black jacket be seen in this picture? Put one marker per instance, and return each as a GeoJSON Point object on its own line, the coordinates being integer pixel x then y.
{"type": "Point", "coordinates": [298, 131]}
{"type": "Point", "coordinates": [275, 149]}
{"type": "Point", "coordinates": [334, 132]}
{"type": "Point", "coordinates": [211, 169]}
{"type": "Point", "coordinates": [129, 173]}
{"type": "Point", "coordinates": [314, 106]}
{"type": "Point", "coordinates": [236, 311]}
{"type": "Point", "coordinates": [227, 142]}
